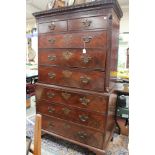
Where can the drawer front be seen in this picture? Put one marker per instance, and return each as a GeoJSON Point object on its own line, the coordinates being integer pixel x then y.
{"type": "Point", "coordinates": [76, 132]}
{"type": "Point", "coordinates": [93, 80]}
{"type": "Point", "coordinates": [53, 27]}
{"type": "Point", "coordinates": [99, 22]}
{"type": "Point", "coordinates": [86, 101]}
{"type": "Point", "coordinates": [65, 112]}
{"type": "Point", "coordinates": [74, 58]}
{"type": "Point", "coordinates": [74, 40]}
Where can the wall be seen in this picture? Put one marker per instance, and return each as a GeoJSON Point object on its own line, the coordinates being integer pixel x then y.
{"type": "Point", "coordinates": [124, 24]}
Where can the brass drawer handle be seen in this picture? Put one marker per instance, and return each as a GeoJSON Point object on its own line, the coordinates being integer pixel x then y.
{"type": "Point", "coordinates": [51, 110]}
{"type": "Point", "coordinates": [51, 75]}
{"type": "Point", "coordinates": [66, 95]}
{"type": "Point", "coordinates": [67, 55]}
{"type": "Point", "coordinates": [50, 95]}
{"type": "Point", "coordinates": [84, 101]}
{"type": "Point", "coordinates": [82, 135]}
{"type": "Point", "coordinates": [85, 58]}
{"type": "Point", "coordinates": [51, 57]}
{"type": "Point", "coordinates": [87, 23]}
{"type": "Point", "coordinates": [51, 26]}
{"type": "Point", "coordinates": [84, 79]}
{"type": "Point", "coordinates": [67, 73]}
{"type": "Point", "coordinates": [83, 118]}
{"type": "Point", "coordinates": [66, 111]}
{"type": "Point", "coordinates": [87, 39]}
{"type": "Point", "coordinates": [51, 124]}
{"type": "Point", "coordinates": [52, 41]}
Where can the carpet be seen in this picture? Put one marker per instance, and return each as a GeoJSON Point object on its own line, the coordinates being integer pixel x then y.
{"type": "Point", "coordinates": [55, 146]}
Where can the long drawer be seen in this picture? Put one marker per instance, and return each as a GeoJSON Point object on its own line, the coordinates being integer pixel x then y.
{"type": "Point", "coordinates": [73, 58]}
{"type": "Point", "coordinates": [79, 99]}
{"type": "Point", "coordinates": [75, 40]}
{"type": "Point", "coordinates": [73, 131]}
{"type": "Point", "coordinates": [91, 119]}
{"type": "Point", "coordinates": [85, 79]}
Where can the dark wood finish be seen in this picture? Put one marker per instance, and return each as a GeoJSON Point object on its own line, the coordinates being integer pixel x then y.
{"type": "Point", "coordinates": [76, 14]}
{"type": "Point", "coordinates": [110, 126]}
{"type": "Point", "coordinates": [91, 40]}
{"type": "Point", "coordinates": [84, 79]}
{"type": "Point", "coordinates": [103, 4]}
{"type": "Point", "coordinates": [99, 22]}
{"type": "Point", "coordinates": [93, 59]}
{"type": "Point", "coordinates": [114, 50]}
{"type": "Point", "coordinates": [87, 100]}
{"type": "Point", "coordinates": [65, 112]}
{"type": "Point", "coordinates": [94, 149]}
{"type": "Point", "coordinates": [76, 88]}
{"type": "Point", "coordinates": [76, 132]}
{"type": "Point", "coordinates": [53, 27]}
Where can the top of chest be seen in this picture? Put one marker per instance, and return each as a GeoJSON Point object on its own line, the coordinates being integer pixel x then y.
{"type": "Point", "coordinates": [102, 7]}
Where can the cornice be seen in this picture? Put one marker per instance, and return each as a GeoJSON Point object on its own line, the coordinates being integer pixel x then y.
{"type": "Point", "coordinates": [110, 3]}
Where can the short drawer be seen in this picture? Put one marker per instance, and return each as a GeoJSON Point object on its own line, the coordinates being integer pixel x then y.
{"type": "Point", "coordinates": [72, 131]}
{"type": "Point", "coordinates": [85, 79]}
{"type": "Point", "coordinates": [96, 39]}
{"type": "Point", "coordinates": [79, 99]}
{"type": "Point", "coordinates": [94, 58]}
{"type": "Point", "coordinates": [99, 22]}
{"type": "Point", "coordinates": [91, 119]}
{"type": "Point", "coordinates": [52, 27]}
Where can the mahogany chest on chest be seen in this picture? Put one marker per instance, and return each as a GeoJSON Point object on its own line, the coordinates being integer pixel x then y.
{"type": "Point", "coordinates": [74, 92]}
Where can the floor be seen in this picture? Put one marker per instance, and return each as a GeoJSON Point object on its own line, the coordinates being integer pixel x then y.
{"type": "Point", "coordinates": [55, 146]}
